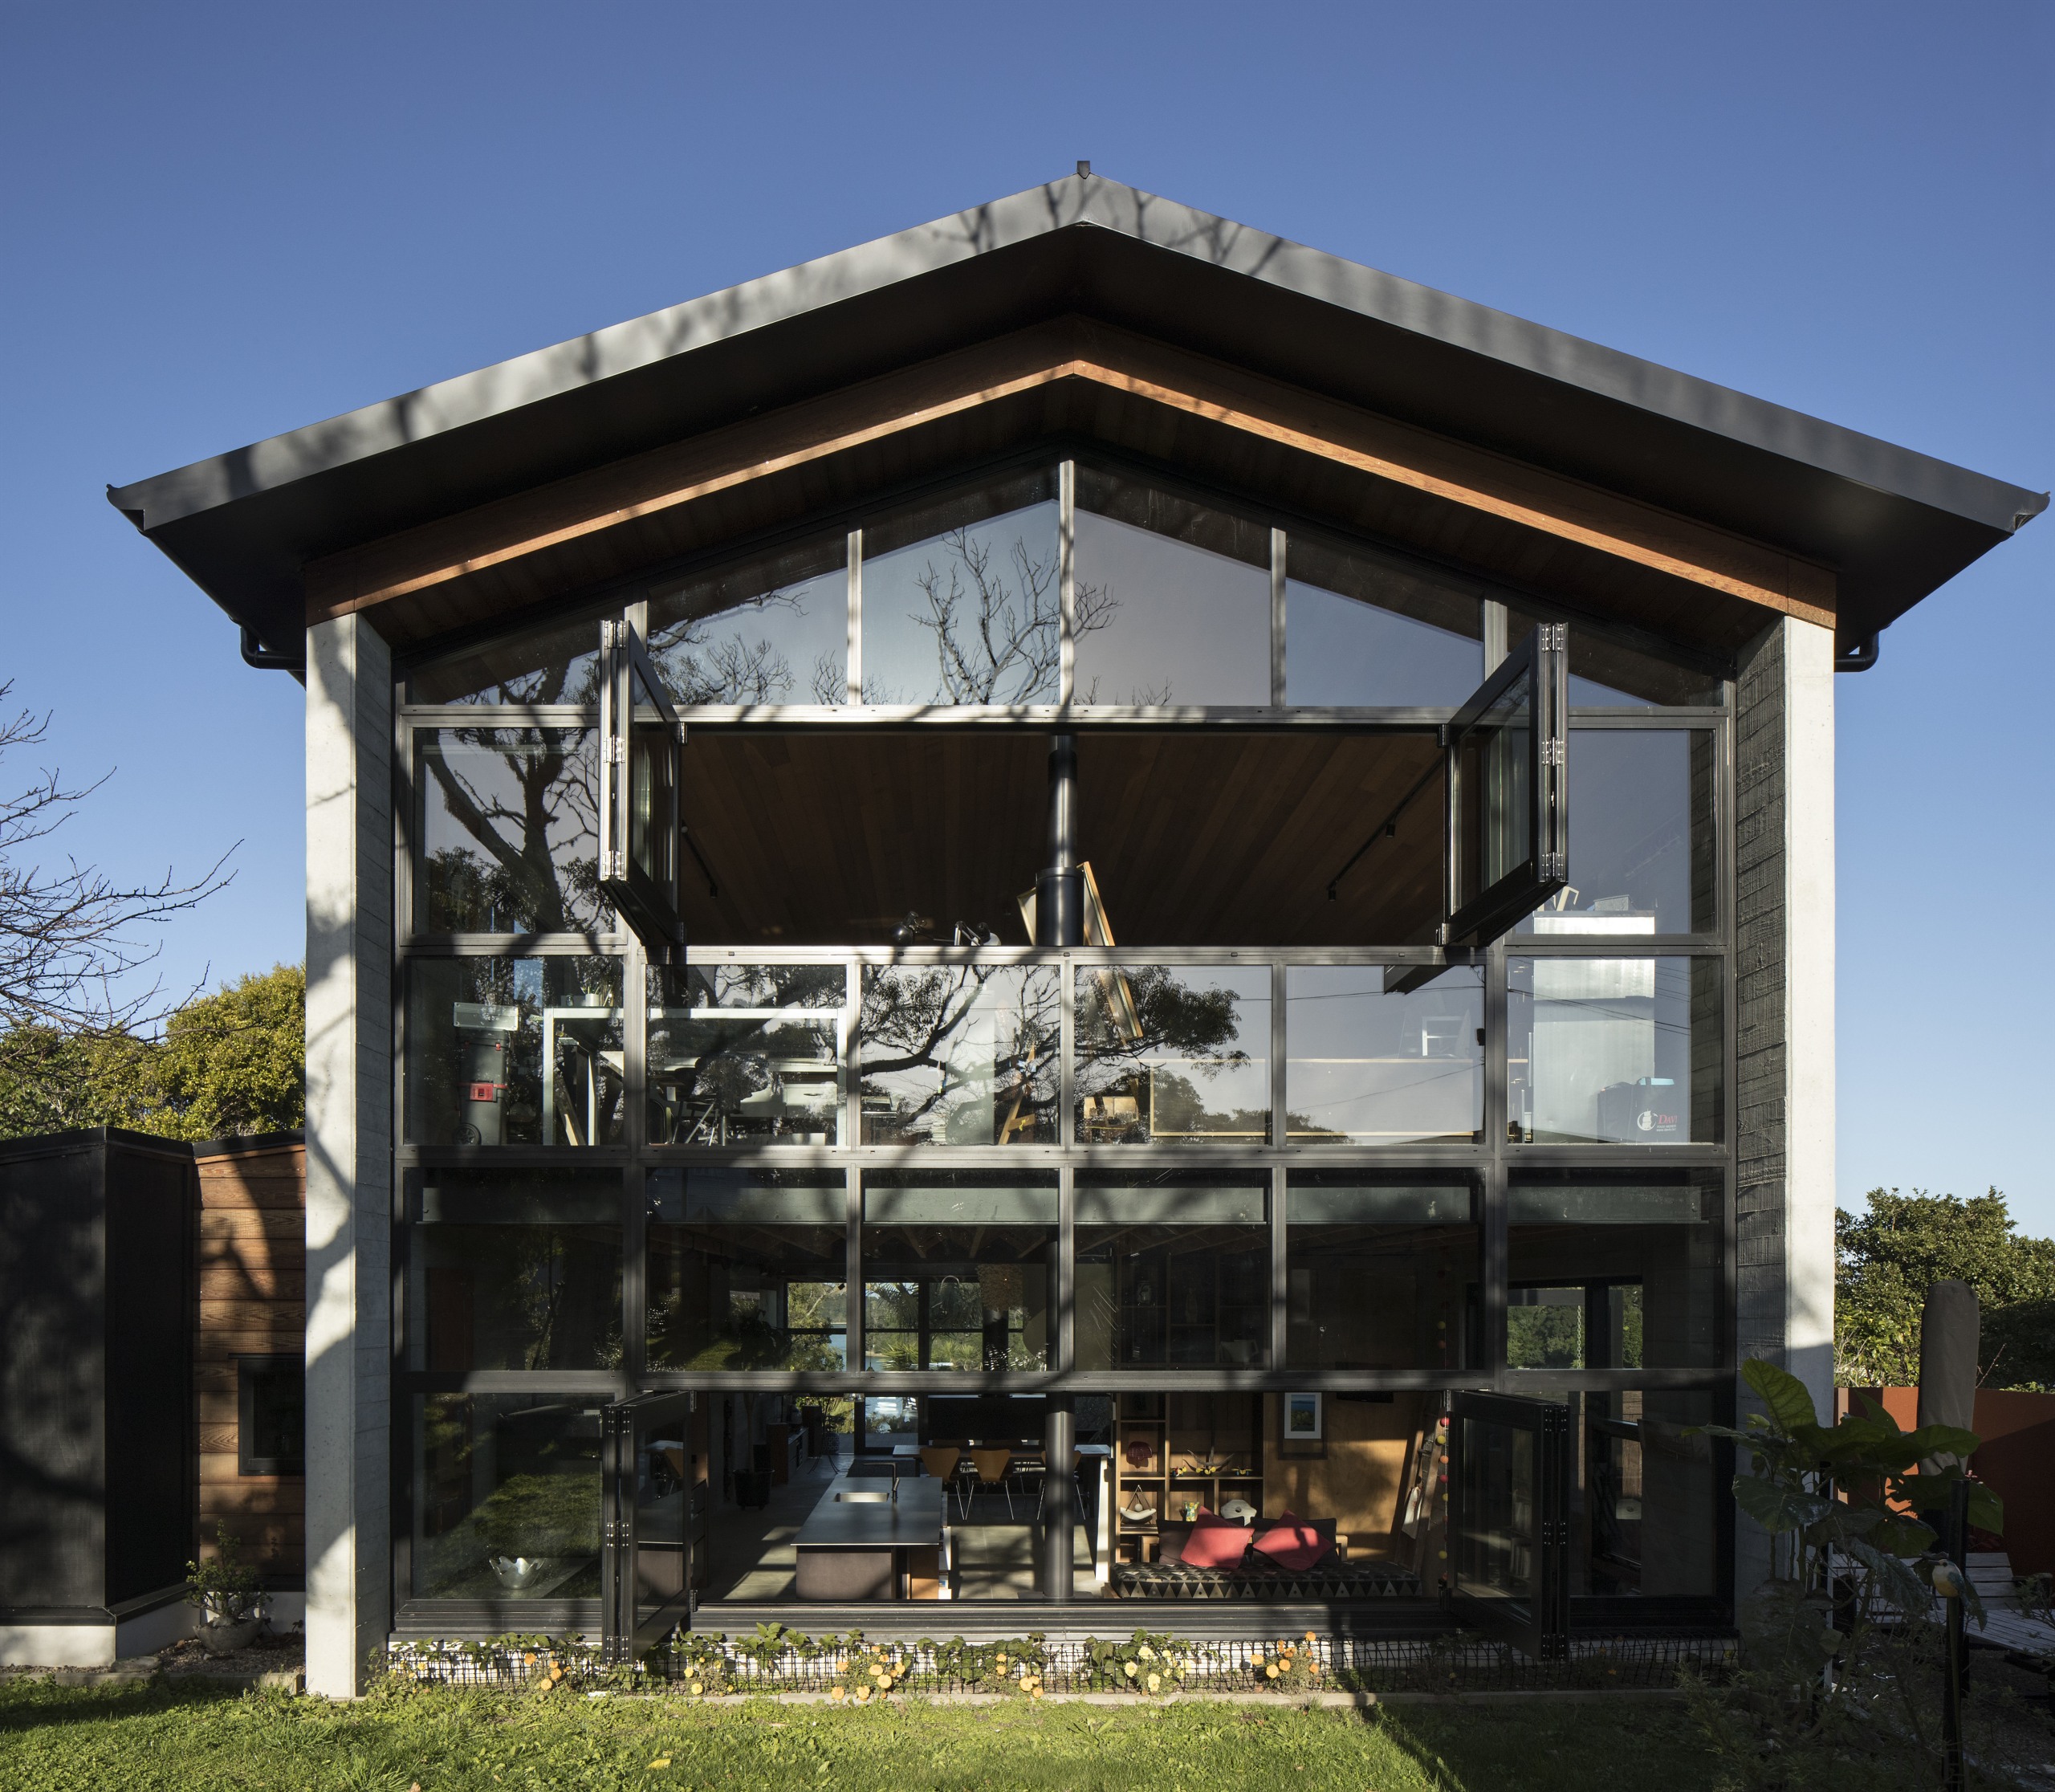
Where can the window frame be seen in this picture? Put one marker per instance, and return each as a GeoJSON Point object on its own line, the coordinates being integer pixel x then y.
{"type": "Point", "coordinates": [249, 1367]}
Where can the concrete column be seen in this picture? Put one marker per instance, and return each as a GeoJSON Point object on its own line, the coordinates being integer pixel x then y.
{"type": "Point", "coordinates": [1783, 1103]}
{"type": "Point", "coordinates": [349, 1152]}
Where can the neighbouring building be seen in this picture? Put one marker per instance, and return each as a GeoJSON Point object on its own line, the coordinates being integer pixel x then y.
{"type": "Point", "coordinates": [1173, 878]}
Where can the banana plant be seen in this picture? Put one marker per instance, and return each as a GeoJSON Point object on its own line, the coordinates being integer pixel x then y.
{"type": "Point", "coordinates": [1853, 1492]}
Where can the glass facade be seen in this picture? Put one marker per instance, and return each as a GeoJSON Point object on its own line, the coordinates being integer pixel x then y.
{"type": "Point", "coordinates": [869, 1172]}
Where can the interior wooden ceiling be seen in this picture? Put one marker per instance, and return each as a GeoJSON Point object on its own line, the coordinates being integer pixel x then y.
{"type": "Point", "coordinates": [1195, 839]}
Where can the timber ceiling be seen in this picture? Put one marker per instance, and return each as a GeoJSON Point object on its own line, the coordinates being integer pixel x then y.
{"type": "Point", "coordinates": [1072, 386]}
{"type": "Point", "coordinates": [1195, 839]}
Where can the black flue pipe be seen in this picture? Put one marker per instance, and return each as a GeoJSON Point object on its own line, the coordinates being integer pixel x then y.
{"type": "Point", "coordinates": [1058, 921]}
{"type": "Point", "coordinates": [1060, 887]}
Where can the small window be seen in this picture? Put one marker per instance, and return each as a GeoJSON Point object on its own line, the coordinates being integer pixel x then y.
{"type": "Point", "coordinates": [272, 1438]}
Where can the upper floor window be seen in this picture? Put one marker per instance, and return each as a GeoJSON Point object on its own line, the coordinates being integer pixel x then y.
{"type": "Point", "coordinates": [1073, 583]}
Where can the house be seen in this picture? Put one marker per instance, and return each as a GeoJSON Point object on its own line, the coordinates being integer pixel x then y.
{"type": "Point", "coordinates": [1173, 878]}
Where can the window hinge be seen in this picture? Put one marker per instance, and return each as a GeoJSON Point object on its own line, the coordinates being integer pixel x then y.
{"type": "Point", "coordinates": [1555, 865]}
{"type": "Point", "coordinates": [616, 750]}
{"type": "Point", "coordinates": [1554, 750]}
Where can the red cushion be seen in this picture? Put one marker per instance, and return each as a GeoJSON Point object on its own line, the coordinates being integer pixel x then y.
{"type": "Point", "coordinates": [1291, 1543]}
{"type": "Point", "coordinates": [1213, 1543]}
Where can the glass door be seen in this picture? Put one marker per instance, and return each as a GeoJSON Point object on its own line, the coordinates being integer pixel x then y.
{"type": "Point", "coordinates": [1509, 1499]}
{"type": "Point", "coordinates": [653, 1517]}
{"type": "Point", "coordinates": [1508, 797]}
{"type": "Point", "coordinates": [641, 765]}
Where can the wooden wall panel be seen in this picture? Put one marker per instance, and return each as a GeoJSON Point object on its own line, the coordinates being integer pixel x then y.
{"type": "Point", "coordinates": [1359, 1479]}
{"type": "Point", "coordinates": [250, 1271]}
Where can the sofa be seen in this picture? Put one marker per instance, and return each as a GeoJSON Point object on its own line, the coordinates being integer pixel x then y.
{"type": "Point", "coordinates": [1255, 1576]}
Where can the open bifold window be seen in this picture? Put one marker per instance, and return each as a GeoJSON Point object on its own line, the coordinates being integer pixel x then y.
{"type": "Point", "coordinates": [641, 765]}
{"type": "Point", "coordinates": [1508, 817]}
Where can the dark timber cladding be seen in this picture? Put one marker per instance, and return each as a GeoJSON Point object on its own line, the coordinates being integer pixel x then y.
{"type": "Point", "coordinates": [95, 1508]}
{"type": "Point", "coordinates": [1889, 524]}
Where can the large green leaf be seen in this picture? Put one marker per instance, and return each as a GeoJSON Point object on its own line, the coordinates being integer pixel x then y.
{"type": "Point", "coordinates": [1934, 1440]}
{"type": "Point", "coordinates": [1783, 1395]}
{"type": "Point", "coordinates": [1899, 1581]}
{"type": "Point", "coordinates": [1777, 1508]}
{"type": "Point", "coordinates": [1900, 1536]}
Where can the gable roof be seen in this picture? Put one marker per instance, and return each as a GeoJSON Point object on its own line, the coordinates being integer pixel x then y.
{"type": "Point", "coordinates": [1893, 524]}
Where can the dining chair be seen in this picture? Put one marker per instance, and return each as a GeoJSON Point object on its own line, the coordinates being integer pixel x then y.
{"type": "Point", "coordinates": [941, 1460]}
{"type": "Point", "coordinates": [992, 1467]}
{"type": "Point", "coordinates": [1077, 1482]}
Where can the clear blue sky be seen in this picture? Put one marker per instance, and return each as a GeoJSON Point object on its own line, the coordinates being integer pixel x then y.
{"type": "Point", "coordinates": [216, 223]}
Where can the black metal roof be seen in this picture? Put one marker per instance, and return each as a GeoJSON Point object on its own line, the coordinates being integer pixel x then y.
{"type": "Point", "coordinates": [1895, 524]}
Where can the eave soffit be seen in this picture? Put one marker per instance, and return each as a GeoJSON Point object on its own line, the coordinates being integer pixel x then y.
{"type": "Point", "coordinates": [1076, 382]}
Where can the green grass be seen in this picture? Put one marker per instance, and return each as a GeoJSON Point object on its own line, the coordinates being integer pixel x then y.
{"type": "Point", "coordinates": [144, 1738]}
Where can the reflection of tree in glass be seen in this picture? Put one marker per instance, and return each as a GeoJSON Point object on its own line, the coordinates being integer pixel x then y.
{"type": "Point", "coordinates": [997, 624]}
{"type": "Point", "coordinates": [749, 1341]}
{"type": "Point", "coordinates": [708, 1066]}
{"type": "Point", "coordinates": [710, 660]}
{"type": "Point", "coordinates": [532, 864]}
{"type": "Point", "coordinates": [1159, 1014]}
{"type": "Point", "coordinates": [553, 1289]}
{"type": "Point", "coordinates": [913, 1021]}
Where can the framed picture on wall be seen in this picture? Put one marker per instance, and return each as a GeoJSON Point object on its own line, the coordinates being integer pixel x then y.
{"type": "Point", "coordinates": [1302, 1418]}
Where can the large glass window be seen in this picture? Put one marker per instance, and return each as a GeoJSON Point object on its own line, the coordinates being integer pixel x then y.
{"type": "Point", "coordinates": [958, 1269]}
{"type": "Point", "coordinates": [748, 1269]}
{"type": "Point", "coordinates": [1172, 1272]}
{"type": "Point", "coordinates": [514, 1051]}
{"type": "Point", "coordinates": [1613, 1051]}
{"type": "Point", "coordinates": [775, 629]}
{"type": "Point", "coordinates": [959, 1054]}
{"type": "Point", "coordinates": [1369, 1066]}
{"type": "Point", "coordinates": [1606, 1274]}
{"type": "Point", "coordinates": [1362, 629]}
{"type": "Point", "coordinates": [505, 831]}
{"type": "Point", "coordinates": [559, 664]}
{"type": "Point", "coordinates": [963, 599]}
{"type": "Point", "coordinates": [1381, 1275]}
{"type": "Point", "coordinates": [1173, 598]}
{"type": "Point", "coordinates": [506, 1497]}
{"type": "Point", "coordinates": [513, 1269]}
{"type": "Point", "coordinates": [1645, 851]}
{"type": "Point", "coordinates": [746, 1053]}
{"type": "Point", "coordinates": [1606, 674]}
{"type": "Point", "coordinates": [1173, 1054]}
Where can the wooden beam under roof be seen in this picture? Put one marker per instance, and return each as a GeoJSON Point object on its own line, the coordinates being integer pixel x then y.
{"type": "Point", "coordinates": [1546, 532]}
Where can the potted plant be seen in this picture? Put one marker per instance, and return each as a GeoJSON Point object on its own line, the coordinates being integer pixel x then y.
{"type": "Point", "coordinates": [232, 1605]}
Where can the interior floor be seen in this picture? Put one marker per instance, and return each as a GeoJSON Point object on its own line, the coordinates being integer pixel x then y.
{"type": "Point", "coordinates": [752, 1561]}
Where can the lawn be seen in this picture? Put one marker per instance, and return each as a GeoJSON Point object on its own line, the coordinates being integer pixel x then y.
{"type": "Point", "coordinates": [146, 1737]}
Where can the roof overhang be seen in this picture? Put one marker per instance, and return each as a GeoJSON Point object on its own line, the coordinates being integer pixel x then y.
{"type": "Point", "coordinates": [1889, 524]}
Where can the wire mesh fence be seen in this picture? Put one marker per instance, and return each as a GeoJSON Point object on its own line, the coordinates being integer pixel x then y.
{"type": "Point", "coordinates": [1143, 1664]}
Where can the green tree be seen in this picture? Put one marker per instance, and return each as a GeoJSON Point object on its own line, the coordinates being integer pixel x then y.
{"type": "Point", "coordinates": [235, 1061]}
{"type": "Point", "coordinates": [231, 1063]}
{"type": "Point", "coordinates": [55, 1078]}
{"type": "Point", "coordinates": [1887, 1258]}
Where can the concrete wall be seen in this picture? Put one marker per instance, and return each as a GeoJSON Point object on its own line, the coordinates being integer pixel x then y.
{"type": "Point", "coordinates": [349, 1152]}
{"type": "Point", "coordinates": [1784, 1044]}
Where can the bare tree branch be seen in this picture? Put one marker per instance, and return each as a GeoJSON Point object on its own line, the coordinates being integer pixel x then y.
{"type": "Point", "coordinates": [70, 935]}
